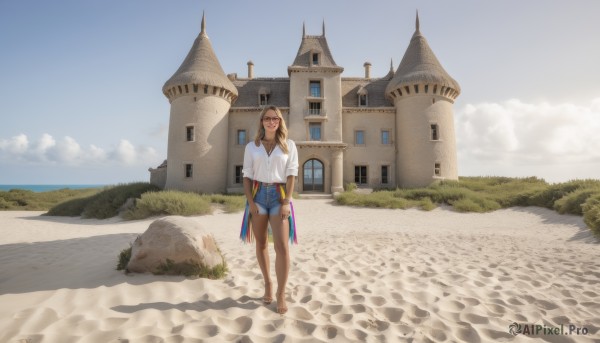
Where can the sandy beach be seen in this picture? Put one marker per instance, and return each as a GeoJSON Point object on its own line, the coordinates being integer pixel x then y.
{"type": "Point", "coordinates": [373, 275]}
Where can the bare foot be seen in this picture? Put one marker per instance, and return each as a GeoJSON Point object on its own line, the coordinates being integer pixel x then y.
{"type": "Point", "coordinates": [281, 304]}
{"type": "Point", "coordinates": [268, 297]}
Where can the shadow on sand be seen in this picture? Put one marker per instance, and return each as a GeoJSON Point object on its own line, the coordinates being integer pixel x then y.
{"type": "Point", "coordinates": [76, 263]}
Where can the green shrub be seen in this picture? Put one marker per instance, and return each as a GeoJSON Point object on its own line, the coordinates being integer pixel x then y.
{"type": "Point", "coordinates": [191, 268]}
{"type": "Point", "coordinates": [5, 205]}
{"type": "Point", "coordinates": [26, 200]}
{"type": "Point", "coordinates": [426, 204]}
{"type": "Point", "coordinates": [124, 258]}
{"type": "Point", "coordinates": [349, 187]}
{"type": "Point", "coordinates": [591, 214]}
{"type": "Point", "coordinates": [376, 199]}
{"type": "Point", "coordinates": [572, 203]}
{"type": "Point", "coordinates": [104, 203]}
{"type": "Point", "coordinates": [547, 197]}
{"type": "Point", "coordinates": [232, 203]}
{"type": "Point", "coordinates": [69, 208]}
{"type": "Point", "coordinates": [169, 203]}
{"type": "Point", "coordinates": [466, 205]}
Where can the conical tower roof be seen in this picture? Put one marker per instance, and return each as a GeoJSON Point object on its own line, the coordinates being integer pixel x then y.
{"type": "Point", "coordinates": [201, 66]}
{"type": "Point", "coordinates": [419, 65]}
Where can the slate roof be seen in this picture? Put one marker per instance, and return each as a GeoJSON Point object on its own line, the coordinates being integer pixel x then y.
{"type": "Point", "coordinates": [375, 88]}
{"type": "Point", "coordinates": [249, 89]}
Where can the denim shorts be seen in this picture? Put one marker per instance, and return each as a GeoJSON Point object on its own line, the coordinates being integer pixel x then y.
{"type": "Point", "coordinates": [267, 199]}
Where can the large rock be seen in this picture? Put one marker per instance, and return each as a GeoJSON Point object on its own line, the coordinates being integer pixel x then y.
{"type": "Point", "coordinates": [174, 238]}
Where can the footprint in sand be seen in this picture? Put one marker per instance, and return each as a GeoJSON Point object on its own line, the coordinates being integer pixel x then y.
{"type": "Point", "coordinates": [340, 318]}
{"type": "Point", "coordinates": [392, 314]}
{"type": "Point", "coordinates": [332, 309]}
{"type": "Point", "coordinates": [300, 313]}
{"type": "Point", "coordinates": [377, 301]}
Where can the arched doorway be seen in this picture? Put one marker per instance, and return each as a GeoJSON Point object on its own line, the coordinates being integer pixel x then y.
{"type": "Point", "coordinates": [313, 176]}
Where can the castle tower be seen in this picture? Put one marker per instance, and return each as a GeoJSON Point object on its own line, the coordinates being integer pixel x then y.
{"type": "Point", "coordinates": [423, 94]}
{"type": "Point", "coordinates": [200, 95]}
{"type": "Point", "coordinates": [315, 117]}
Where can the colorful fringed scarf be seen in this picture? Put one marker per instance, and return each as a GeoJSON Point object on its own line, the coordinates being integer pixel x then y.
{"type": "Point", "coordinates": [246, 234]}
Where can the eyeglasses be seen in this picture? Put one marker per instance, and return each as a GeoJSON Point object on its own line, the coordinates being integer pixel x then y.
{"type": "Point", "coordinates": [272, 119]}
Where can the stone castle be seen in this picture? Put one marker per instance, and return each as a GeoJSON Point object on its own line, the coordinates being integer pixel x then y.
{"type": "Point", "coordinates": [390, 131]}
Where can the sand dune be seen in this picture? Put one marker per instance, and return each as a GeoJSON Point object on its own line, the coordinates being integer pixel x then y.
{"type": "Point", "coordinates": [358, 275]}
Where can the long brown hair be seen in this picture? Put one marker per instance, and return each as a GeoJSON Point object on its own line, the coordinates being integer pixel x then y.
{"type": "Point", "coordinates": [280, 135]}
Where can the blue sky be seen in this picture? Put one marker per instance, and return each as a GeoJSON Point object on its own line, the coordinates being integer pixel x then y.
{"type": "Point", "coordinates": [80, 81]}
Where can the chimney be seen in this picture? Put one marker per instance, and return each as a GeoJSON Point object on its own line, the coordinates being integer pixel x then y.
{"type": "Point", "coordinates": [250, 70]}
{"type": "Point", "coordinates": [367, 66]}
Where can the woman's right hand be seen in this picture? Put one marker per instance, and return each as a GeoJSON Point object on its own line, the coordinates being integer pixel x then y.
{"type": "Point", "coordinates": [253, 208]}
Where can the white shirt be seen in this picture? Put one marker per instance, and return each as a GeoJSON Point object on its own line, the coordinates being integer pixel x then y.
{"type": "Point", "coordinates": [259, 166]}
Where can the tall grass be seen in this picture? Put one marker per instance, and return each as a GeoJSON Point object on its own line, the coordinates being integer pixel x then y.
{"type": "Point", "coordinates": [26, 200]}
{"type": "Point", "coordinates": [484, 194]}
{"type": "Point", "coordinates": [104, 204]}
{"type": "Point", "coordinates": [168, 203]}
{"type": "Point", "coordinates": [182, 203]}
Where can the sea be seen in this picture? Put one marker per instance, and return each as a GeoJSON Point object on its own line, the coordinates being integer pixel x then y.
{"type": "Point", "coordinates": [46, 188]}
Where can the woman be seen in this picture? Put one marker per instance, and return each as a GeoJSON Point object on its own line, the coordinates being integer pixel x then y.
{"type": "Point", "coordinates": [270, 168]}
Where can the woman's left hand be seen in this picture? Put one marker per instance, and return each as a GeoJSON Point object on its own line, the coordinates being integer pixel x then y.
{"type": "Point", "coordinates": [285, 211]}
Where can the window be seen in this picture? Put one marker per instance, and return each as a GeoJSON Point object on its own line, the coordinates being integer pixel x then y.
{"type": "Point", "coordinates": [434, 132]}
{"type": "Point", "coordinates": [238, 174]}
{"type": "Point", "coordinates": [384, 174]}
{"type": "Point", "coordinates": [205, 89]}
{"type": "Point", "coordinates": [362, 100]}
{"type": "Point", "coordinates": [314, 130]}
{"type": "Point", "coordinates": [359, 137]}
{"type": "Point", "coordinates": [189, 170]}
{"type": "Point", "coordinates": [360, 175]}
{"type": "Point", "coordinates": [437, 169]}
{"type": "Point", "coordinates": [385, 137]}
{"type": "Point", "coordinates": [241, 137]}
{"type": "Point", "coordinates": [315, 89]}
{"type": "Point", "coordinates": [264, 99]}
{"type": "Point", "coordinates": [189, 133]}
{"type": "Point", "coordinates": [314, 108]}
{"type": "Point", "coordinates": [315, 58]}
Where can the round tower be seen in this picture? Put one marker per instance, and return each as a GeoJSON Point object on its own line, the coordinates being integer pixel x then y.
{"type": "Point", "coordinates": [200, 95]}
{"type": "Point", "coordinates": [423, 94]}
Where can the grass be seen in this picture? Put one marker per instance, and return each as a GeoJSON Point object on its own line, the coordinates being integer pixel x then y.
{"type": "Point", "coordinates": [149, 201]}
{"type": "Point", "coordinates": [103, 204]}
{"type": "Point", "coordinates": [190, 268]}
{"type": "Point", "coordinates": [124, 257]}
{"type": "Point", "coordinates": [169, 267]}
{"type": "Point", "coordinates": [485, 194]}
{"type": "Point", "coordinates": [26, 200]}
{"type": "Point", "coordinates": [182, 203]}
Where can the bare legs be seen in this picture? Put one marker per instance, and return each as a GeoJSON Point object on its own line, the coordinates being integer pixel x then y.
{"type": "Point", "coordinates": [280, 230]}
{"type": "Point", "coordinates": [259, 227]}
{"type": "Point", "coordinates": [282, 258]}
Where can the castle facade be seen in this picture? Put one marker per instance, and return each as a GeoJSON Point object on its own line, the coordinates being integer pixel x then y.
{"type": "Point", "coordinates": [390, 131]}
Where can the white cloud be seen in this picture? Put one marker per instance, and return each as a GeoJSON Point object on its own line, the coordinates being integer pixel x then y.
{"type": "Point", "coordinates": [127, 153]}
{"type": "Point", "coordinates": [16, 145]}
{"type": "Point", "coordinates": [69, 152]}
{"type": "Point", "coordinates": [515, 133]}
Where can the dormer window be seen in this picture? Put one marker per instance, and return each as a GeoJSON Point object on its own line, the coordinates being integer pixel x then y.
{"type": "Point", "coordinates": [363, 97]}
{"type": "Point", "coordinates": [315, 58]}
{"type": "Point", "coordinates": [362, 100]}
{"type": "Point", "coordinates": [264, 96]}
{"type": "Point", "coordinates": [264, 99]}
